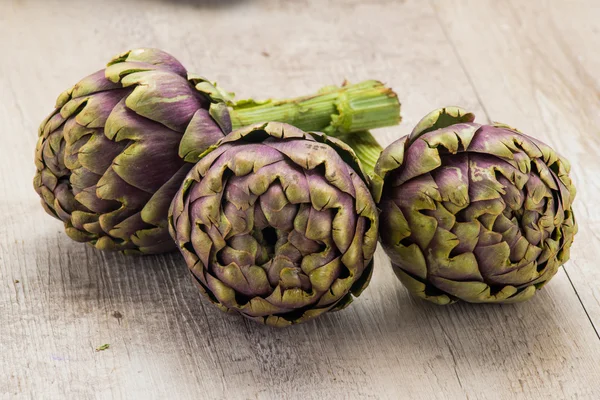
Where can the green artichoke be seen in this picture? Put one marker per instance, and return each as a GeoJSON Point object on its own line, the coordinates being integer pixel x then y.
{"type": "Point", "coordinates": [277, 224]}
{"type": "Point", "coordinates": [479, 213]}
{"type": "Point", "coordinates": [115, 150]}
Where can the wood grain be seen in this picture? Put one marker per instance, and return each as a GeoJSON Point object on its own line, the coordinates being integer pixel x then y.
{"type": "Point", "coordinates": [531, 65]}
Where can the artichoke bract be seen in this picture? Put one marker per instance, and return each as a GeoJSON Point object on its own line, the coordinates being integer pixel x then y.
{"type": "Point", "coordinates": [112, 154]}
{"type": "Point", "coordinates": [277, 224]}
{"type": "Point", "coordinates": [479, 213]}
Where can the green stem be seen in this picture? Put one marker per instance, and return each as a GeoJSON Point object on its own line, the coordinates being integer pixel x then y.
{"type": "Point", "coordinates": [334, 110]}
{"type": "Point", "coordinates": [366, 147]}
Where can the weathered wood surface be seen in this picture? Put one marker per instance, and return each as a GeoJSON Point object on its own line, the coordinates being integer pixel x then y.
{"type": "Point", "coordinates": [532, 64]}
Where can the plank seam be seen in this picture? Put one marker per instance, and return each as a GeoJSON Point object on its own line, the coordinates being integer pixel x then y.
{"type": "Point", "coordinates": [581, 302]}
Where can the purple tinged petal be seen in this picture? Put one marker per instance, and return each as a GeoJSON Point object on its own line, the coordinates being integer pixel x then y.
{"type": "Point", "coordinates": [94, 83]}
{"type": "Point", "coordinates": [408, 258]}
{"type": "Point", "coordinates": [482, 208]}
{"type": "Point", "coordinates": [96, 107]}
{"type": "Point", "coordinates": [258, 307]}
{"type": "Point", "coordinates": [237, 193]}
{"type": "Point", "coordinates": [74, 133]}
{"type": "Point", "coordinates": [510, 146]}
{"type": "Point", "coordinates": [514, 196]}
{"type": "Point", "coordinates": [472, 291]}
{"type": "Point", "coordinates": [223, 293]}
{"type": "Point", "coordinates": [353, 257]}
{"type": "Point", "coordinates": [442, 264]}
{"type": "Point", "coordinates": [50, 155]}
{"type": "Point", "coordinates": [260, 221]}
{"type": "Point", "coordinates": [467, 234]}
{"type": "Point", "coordinates": [488, 238]}
{"type": "Point", "coordinates": [250, 281]}
{"type": "Point", "coordinates": [310, 155]}
{"type": "Point", "coordinates": [420, 193]}
{"type": "Point", "coordinates": [291, 298]}
{"type": "Point", "coordinates": [444, 218]}
{"type": "Point", "coordinates": [418, 288]}
{"type": "Point", "coordinates": [275, 266]}
{"type": "Point", "coordinates": [65, 203]}
{"type": "Point", "coordinates": [292, 179]}
{"type": "Point", "coordinates": [82, 178]}
{"type": "Point", "coordinates": [252, 158]}
{"type": "Point", "coordinates": [304, 245]}
{"type": "Point", "coordinates": [419, 159]}
{"type": "Point", "coordinates": [441, 118]}
{"type": "Point", "coordinates": [394, 227]}
{"type": "Point", "coordinates": [206, 209]}
{"type": "Point", "coordinates": [96, 153]}
{"type": "Point", "coordinates": [128, 227]}
{"type": "Point", "coordinates": [315, 260]}
{"type": "Point", "coordinates": [151, 241]}
{"type": "Point", "coordinates": [53, 123]}
{"type": "Point", "coordinates": [201, 242]}
{"type": "Point", "coordinates": [344, 223]}
{"type": "Point", "coordinates": [452, 180]}
{"type": "Point", "coordinates": [80, 218]}
{"type": "Point", "coordinates": [483, 183]}
{"type": "Point", "coordinates": [338, 290]}
{"type": "Point", "coordinates": [78, 235]}
{"type": "Point", "coordinates": [275, 207]}
{"type": "Point", "coordinates": [163, 97]}
{"type": "Point", "coordinates": [291, 278]}
{"type": "Point", "coordinates": [366, 208]}
{"type": "Point", "coordinates": [151, 56]}
{"type": "Point", "coordinates": [148, 164]}
{"type": "Point", "coordinates": [315, 224]}
{"type": "Point", "coordinates": [129, 197]}
{"type": "Point", "coordinates": [390, 159]}
{"type": "Point", "coordinates": [241, 221]}
{"type": "Point", "coordinates": [323, 196]}
{"type": "Point", "coordinates": [492, 258]}
{"type": "Point", "coordinates": [48, 179]}
{"type": "Point", "coordinates": [88, 198]}
{"type": "Point", "coordinates": [156, 209]}
{"type": "Point", "coordinates": [201, 133]}
{"type": "Point", "coordinates": [518, 277]}
{"type": "Point", "coordinates": [123, 125]}
{"type": "Point", "coordinates": [117, 71]}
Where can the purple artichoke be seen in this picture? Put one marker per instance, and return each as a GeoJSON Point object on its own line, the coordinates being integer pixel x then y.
{"type": "Point", "coordinates": [277, 224]}
{"type": "Point", "coordinates": [479, 213]}
{"type": "Point", "coordinates": [115, 150]}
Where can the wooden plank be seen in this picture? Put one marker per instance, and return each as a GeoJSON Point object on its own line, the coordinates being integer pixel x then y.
{"type": "Point", "coordinates": [538, 71]}
{"type": "Point", "coordinates": [61, 300]}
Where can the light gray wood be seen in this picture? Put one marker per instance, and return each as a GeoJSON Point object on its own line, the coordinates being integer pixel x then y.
{"type": "Point", "coordinates": [534, 68]}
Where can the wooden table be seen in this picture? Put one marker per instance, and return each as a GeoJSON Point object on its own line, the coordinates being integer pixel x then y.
{"type": "Point", "coordinates": [532, 64]}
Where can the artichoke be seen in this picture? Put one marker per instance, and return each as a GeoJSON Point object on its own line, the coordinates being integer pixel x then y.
{"type": "Point", "coordinates": [277, 224]}
{"type": "Point", "coordinates": [112, 154]}
{"type": "Point", "coordinates": [479, 213]}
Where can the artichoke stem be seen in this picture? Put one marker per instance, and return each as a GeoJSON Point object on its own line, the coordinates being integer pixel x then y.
{"type": "Point", "coordinates": [333, 110]}
{"type": "Point", "coordinates": [366, 147]}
